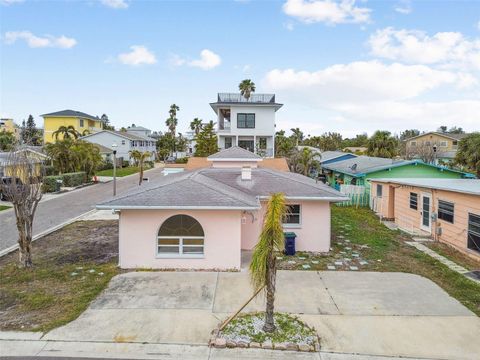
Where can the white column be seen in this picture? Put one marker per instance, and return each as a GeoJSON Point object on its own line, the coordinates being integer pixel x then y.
{"type": "Point", "coordinates": [254, 144]}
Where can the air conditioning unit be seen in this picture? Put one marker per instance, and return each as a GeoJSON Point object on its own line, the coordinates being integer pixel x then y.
{"type": "Point", "coordinates": [439, 231]}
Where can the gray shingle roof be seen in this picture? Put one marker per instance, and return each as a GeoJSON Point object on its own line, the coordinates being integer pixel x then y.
{"type": "Point", "coordinates": [468, 186]}
{"type": "Point", "coordinates": [329, 155]}
{"type": "Point", "coordinates": [122, 134]}
{"type": "Point", "coordinates": [448, 135]}
{"type": "Point", "coordinates": [363, 164]}
{"type": "Point", "coordinates": [184, 190]}
{"type": "Point", "coordinates": [235, 152]}
{"type": "Point", "coordinates": [72, 113]}
{"type": "Point", "coordinates": [212, 188]}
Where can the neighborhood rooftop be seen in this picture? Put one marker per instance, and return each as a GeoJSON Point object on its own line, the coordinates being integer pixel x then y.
{"type": "Point", "coordinates": [71, 113]}
{"type": "Point", "coordinates": [363, 164]}
{"type": "Point", "coordinates": [329, 155]}
{"type": "Point", "coordinates": [221, 188]}
{"type": "Point", "coordinates": [467, 186]}
{"type": "Point", "coordinates": [235, 152]}
{"type": "Point", "coordinates": [448, 135]}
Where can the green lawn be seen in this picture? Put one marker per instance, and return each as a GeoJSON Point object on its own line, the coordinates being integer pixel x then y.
{"type": "Point", "coordinates": [120, 171]}
{"type": "Point", "coordinates": [4, 207]}
{"type": "Point", "coordinates": [383, 250]}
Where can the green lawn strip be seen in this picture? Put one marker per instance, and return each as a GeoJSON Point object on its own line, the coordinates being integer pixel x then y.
{"type": "Point", "coordinates": [52, 295]}
{"type": "Point", "coordinates": [4, 207]}
{"type": "Point", "coordinates": [454, 255]}
{"type": "Point", "coordinates": [289, 329]}
{"type": "Point", "coordinates": [120, 171]}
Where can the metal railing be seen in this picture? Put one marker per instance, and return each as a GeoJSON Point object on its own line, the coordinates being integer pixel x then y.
{"type": "Point", "coordinates": [238, 98]}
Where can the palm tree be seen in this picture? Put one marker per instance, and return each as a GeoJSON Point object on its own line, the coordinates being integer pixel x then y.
{"type": "Point", "coordinates": [468, 154]}
{"type": "Point", "coordinates": [135, 155]}
{"type": "Point", "coordinates": [297, 135]}
{"type": "Point", "coordinates": [68, 132]}
{"type": "Point", "coordinates": [307, 160]}
{"type": "Point", "coordinates": [172, 120]}
{"type": "Point", "coordinates": [246, 87]}
{"type": "Point", "coordinates": [85, 132]}
{"type": "Point", "coordinates": [263, 269]}
{"type": "Point", "coordinates": [196, 125]}
{"type": "Point", "coordinates": [141, 160]}
{"type": "Point", "coordinates": [382, 144]}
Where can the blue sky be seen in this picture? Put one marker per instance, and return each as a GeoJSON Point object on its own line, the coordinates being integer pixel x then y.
{"type": "Point", "coordinates": [346, 66]}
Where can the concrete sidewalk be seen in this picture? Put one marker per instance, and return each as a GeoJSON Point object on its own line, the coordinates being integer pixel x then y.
{"type": "Point", "coordinates": [107, 350]}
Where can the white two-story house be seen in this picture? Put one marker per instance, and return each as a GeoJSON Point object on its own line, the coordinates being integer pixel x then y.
{"type": "Point", "coordinates": [124, 142]}
{"type": "Point", "coordinates": [248, 123]}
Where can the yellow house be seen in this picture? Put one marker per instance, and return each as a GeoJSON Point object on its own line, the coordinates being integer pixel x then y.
{"type": "Point", "coordinates": [444, 144]}
{"type": "Point", "coordinates": [8, 125]}
{"type": "Point", "coordinates": [81, 122]}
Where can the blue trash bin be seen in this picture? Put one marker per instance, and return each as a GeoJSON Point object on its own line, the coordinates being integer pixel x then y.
{"type": "Point", "coordinates": [290, 243]}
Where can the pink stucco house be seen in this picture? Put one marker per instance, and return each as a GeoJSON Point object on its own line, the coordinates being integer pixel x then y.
{"type": "Point", "coordinates": [203, 219]}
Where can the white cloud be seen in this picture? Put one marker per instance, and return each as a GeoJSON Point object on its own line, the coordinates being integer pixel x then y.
{"type": "Point", "coordinates": [412, 46]}
{"type": "Point", "coordinates": [207, 61]}
{"type": "Point", "coordinates": [139, 55]}
{"type": "Point", "coordinates": [115, 4]}
{"type": "Point", "coordinates": [327, 11]}
{"type": "Point", "coordinates": [364, 81]}
{"type": "Point", "coordinates": [34, 41]}
{"type": "Point", "coordinates": [404, 7]}
{"type": "Point", "coordinates": [369, 95]}
{"type": "Point", "coordinates": [10, 2]}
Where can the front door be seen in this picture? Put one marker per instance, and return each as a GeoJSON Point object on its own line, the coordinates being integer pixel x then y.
{"type": "Point", "coordinates": [247, 145]}
{"type": "Point", "coordinates": [425, 221]}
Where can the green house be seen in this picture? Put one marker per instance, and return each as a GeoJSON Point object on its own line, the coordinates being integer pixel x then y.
{"type": "Point", "coordinates": [359, 170]}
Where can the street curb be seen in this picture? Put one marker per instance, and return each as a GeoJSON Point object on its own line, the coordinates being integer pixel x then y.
{"type": "Point", "coordinates": [46, 232]}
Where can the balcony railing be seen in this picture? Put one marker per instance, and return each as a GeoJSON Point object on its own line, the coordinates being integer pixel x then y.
{"type": "Point", "coordinates": [254, 98]}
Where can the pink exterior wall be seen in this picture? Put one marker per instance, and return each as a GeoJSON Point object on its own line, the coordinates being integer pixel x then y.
{"type": "Point", "coordinates": [234, 164]}
{"type": "Point", "coordinates": [313, 234]}
{"type": "Point", "coordinates": [406, 218]}
{"type": "Point", "coordinates": [138, 239]}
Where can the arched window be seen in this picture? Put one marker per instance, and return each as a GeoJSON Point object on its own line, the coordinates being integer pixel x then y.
{"type": "Point", "coordinates": [180, 235]}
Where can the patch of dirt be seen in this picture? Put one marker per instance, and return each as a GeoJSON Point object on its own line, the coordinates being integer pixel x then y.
{"type": "Point", "coordinates": [83, 241]}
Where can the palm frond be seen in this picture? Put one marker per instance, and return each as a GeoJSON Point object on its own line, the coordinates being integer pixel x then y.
{"type": "Point", "coordinates": [271, 239]}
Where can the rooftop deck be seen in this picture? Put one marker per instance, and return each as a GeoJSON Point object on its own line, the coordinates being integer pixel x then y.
{"type": "Point", "coordinates": [238, 98]}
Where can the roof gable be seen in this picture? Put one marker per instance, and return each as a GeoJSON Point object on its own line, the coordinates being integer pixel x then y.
{"type": "Point", "coordinates": [234, 153]}
{"type": "Point", "coordinates": [71, 113]}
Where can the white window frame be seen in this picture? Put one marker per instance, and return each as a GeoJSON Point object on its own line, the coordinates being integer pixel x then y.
{"type": "Point", "coordinates": [180, 246]}
{"type": "Point", "coordinates": [443, 143]}
{"type": "Point", "coordinates": [413, 143]}
{"type": "Point", "coordinates": [295, 226]}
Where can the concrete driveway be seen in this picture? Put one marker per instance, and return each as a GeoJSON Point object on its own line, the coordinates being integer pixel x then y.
{"type": "Point", "coordinates": [363, 313]}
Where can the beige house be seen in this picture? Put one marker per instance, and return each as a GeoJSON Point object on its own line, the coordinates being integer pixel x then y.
{"type": "Point", "coordinates": [447, 210]}
{"type": "Point", "coordinates": [433, 146]}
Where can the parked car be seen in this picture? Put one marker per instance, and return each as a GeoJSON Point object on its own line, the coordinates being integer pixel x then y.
{"type": "Point", "coordinates": [7, 181]}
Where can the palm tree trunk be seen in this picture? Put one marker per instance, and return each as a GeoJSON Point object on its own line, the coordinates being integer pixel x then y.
{"type": "Point", "coordinates": [270, 286]}
{"type": "Point", "coordinates": [141, 173]}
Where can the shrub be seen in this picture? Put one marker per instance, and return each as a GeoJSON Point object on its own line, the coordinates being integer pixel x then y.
{"type": "Point", "coordinates": [50, 170]}
{"type": "Point", "coordinates": [125, 163]}
{"type": "Point", "coordinates": [74, 179]}
{"type": "Point", "coordinates": [49, 183]}
{"type": "Point", "coordinates": [106, 165]}
{"type": "Point", "coordinates": [181, 160]}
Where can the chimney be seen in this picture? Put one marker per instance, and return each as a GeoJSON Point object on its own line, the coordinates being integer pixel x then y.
{"type": "Point", "coordinates": [246, 173]}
